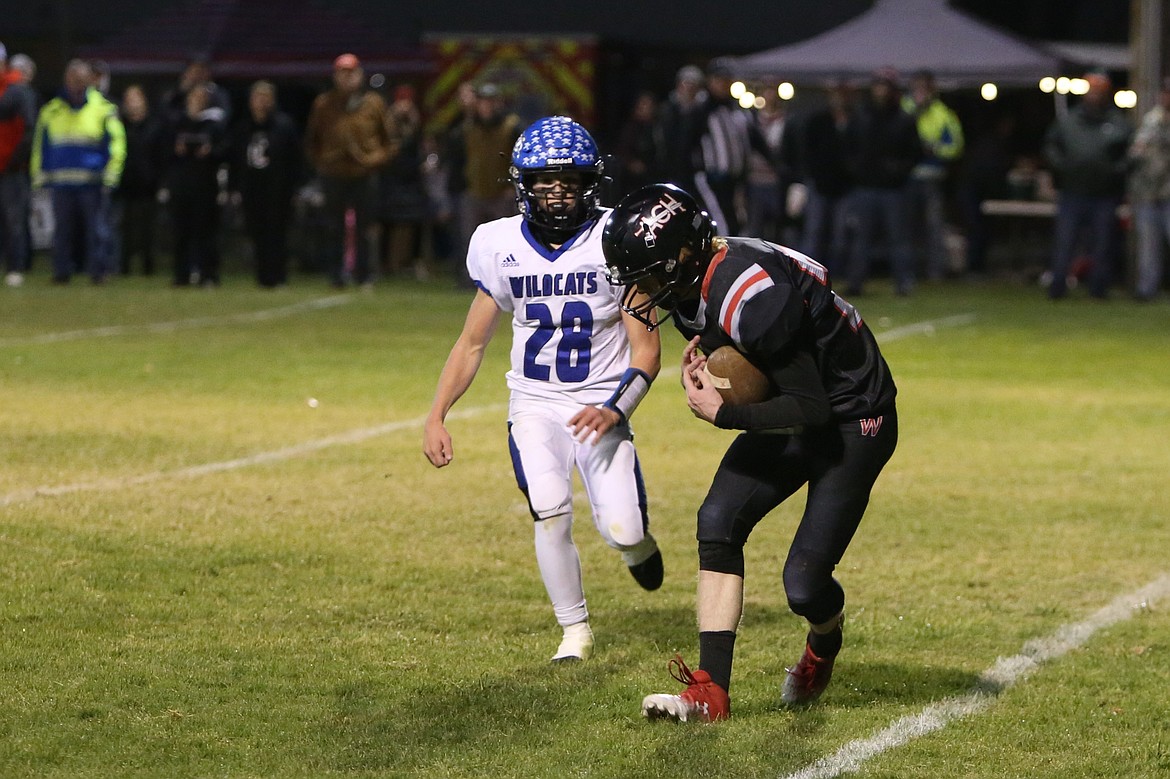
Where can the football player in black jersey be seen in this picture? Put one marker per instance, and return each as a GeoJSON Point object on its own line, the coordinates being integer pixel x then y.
{"type": "Point", "coordinates": [830, 423]}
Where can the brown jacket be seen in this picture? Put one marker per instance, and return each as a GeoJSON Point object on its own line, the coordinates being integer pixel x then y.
{"type": "Point", "coordinates": [489, 153]}
{"type": "Point", "coordinates": [348, 137]}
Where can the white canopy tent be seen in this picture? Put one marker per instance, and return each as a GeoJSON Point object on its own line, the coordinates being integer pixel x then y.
{"type": "Point", "coordinates": [909, 35]}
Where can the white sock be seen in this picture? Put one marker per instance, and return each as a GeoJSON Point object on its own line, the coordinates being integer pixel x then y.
{"type": "Point", "coordinates": [641, 552]}
{"type": "Point", "coordinates": [577, 643]}
{"type": "Point", "coordinates": [560, 569]}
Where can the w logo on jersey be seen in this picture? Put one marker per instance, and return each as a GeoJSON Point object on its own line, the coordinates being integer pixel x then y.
{"type": "Point", "coordinates": [870, 427]}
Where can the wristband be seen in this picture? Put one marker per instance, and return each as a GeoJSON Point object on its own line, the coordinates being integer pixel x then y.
{"type": "Point", "coordinates": [629, 393]}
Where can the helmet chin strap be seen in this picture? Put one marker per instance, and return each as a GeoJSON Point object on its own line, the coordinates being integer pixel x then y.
{"type": "Point", "coordinates": [550, 236]}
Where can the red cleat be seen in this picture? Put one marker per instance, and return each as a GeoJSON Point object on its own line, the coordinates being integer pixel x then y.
{"type": "Point", "coordinates": [701, 701]}
{"type": "Point", "coordinates": [805, 683]}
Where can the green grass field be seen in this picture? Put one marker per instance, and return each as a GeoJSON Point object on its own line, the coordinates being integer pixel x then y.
{"type": "Point", "coordinates": [204, 575]}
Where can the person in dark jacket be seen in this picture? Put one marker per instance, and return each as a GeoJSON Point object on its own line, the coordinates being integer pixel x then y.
{"type": "Point", "coordinates": [197, 150]}
{"type": "Point", "coordinates": [266, 167]}
{"type": "Point", "coordinates": [826, 135]}
{"type": "Point", "coordinates": [681, 122]}
{"type": "Point", "coordinates": [197, 73]}
{"type": "Point", "coordinates": [1087, 150]}
{"type": "Point", "coordinates": [639, 145]}
{"type": "Point", "coordinates": [403, 197]}
{"type": "Point", "coordinates": [884, 149]}
{"type": "Point", "coordinates": [137, 196]}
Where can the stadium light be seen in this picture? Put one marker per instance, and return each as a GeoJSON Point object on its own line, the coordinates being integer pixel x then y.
{"type": "Point", "coordinates": [785, 91]}
{"type": "Point", "coordinates": [747, 100]}
{"type": "Point", "coordinates": [989, 91]}
{"type": "Point", "coordinates": [1048, 85]}
{"type": "Point", "coordinates": [1125, 98]}
{"type": "Point", "coordinates": [1062, 85]}
{"type": "Point", "coordinates": [738, 88]}
{"type": "Point", "coordinates": [1078, 86]}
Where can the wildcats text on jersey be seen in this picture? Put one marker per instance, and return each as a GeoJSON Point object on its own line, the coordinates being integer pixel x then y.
{"type": "Point", "coordinates": [553, 284]}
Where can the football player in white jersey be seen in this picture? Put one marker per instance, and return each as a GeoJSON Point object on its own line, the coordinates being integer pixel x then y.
{"type": "Point", "coordinates": [580, 366]}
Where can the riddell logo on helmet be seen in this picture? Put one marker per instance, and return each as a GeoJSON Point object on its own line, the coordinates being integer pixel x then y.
{"type": "Point", "coordinates": [560, 160]}
{"type": "Point", "coordinates": [659, 215]}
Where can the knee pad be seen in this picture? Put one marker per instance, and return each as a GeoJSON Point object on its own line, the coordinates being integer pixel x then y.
{"type": "Point", "coordinates": [716, 523]}
{"type": "Point", "coordinates": [622, 528]}
{"type": "Point", "coordinates": [548, 498]}
{"type": "Point", "coordinates": [625, 539]}
{"type": "Point", "coordinates": [720, 557]}
{"type": "Point", "coordinates": [812, 591]}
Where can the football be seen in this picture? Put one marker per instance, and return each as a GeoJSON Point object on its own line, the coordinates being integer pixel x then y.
{"type": "Point", "coordinates": [738, 381]}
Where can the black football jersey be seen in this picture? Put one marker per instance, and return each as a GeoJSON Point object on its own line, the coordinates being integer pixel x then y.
{"type": "Point", "coordinates": [773, 302]}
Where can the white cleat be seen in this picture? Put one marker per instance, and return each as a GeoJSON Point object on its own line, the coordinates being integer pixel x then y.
{"type": "Point", "coordinates": [576, 646]}
{"type": "Point", "coordinates": [702, 701]}
{"type": "Point", "coordinates": [662, 706]}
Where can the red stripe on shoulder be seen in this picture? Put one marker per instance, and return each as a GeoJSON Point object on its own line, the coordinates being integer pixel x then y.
{"type": "Point", "coordinates": [735, 295]}
{"type": "Point", "coordinates": [718, 258]}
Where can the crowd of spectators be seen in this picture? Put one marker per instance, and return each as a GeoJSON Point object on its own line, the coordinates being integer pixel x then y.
{"type": "Point", "coordinates": [856, 177]}
{"type": "Point", "coordinates": [885, 174]}
{"type": "Point", "coordinates": [870, 176]}
{"type": "Point", "coordinates": [379, 194]}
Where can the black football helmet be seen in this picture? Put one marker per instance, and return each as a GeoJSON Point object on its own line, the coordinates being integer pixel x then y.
{"type": "Point", "coordinates": [642, 240]}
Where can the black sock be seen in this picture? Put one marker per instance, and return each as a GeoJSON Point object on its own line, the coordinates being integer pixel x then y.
{"type": "Point", "coordinates": [825, 645]}
{"type": "Point", "coordinates": [716, 648]}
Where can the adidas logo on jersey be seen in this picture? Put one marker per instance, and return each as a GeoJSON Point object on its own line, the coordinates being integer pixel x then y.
{"type": "Point", "coordinates": [510, 262]}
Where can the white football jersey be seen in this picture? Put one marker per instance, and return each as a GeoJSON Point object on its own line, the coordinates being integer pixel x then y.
{"type": "Point", "coordinates": [568, 339]}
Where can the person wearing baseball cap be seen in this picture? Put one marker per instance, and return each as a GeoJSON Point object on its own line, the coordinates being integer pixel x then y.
{"type": "Point", "coordinates": [347, 62]}
{"type": "Point", "coordinates": [347, 140]}
{"type": "Point", "coordinates": [486, 141]}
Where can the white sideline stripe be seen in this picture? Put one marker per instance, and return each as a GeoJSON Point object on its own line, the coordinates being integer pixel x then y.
{"type": "Point", "coordinates": [351, 437]}
{"type": "Point", "coordinates": [179, 324]}
{"type": "Point", "coordinates": [999, 677]}
{"type": "Point", "coordinates": [925, 328]}
{"type": "Point", "coordinates": [288, 452]}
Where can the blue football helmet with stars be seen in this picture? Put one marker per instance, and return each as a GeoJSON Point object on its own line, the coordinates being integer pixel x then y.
{"type": "Point", "coordinates": [557, 144]}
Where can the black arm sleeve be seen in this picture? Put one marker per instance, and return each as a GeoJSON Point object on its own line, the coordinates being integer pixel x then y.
{"type": "Point", "coordinates": [801, 402]}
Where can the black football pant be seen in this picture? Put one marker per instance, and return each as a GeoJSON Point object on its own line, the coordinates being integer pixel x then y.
{"type": "Point", "coordinates": [840, 464]}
